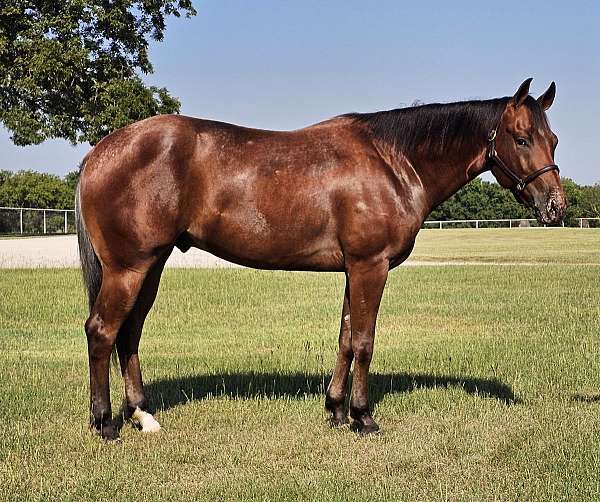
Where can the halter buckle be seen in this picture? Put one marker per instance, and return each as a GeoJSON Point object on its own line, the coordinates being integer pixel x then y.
{"type": "Point", "coordinates": [521, 186]}
{"type": "Point", "coordinates": [492, 135]}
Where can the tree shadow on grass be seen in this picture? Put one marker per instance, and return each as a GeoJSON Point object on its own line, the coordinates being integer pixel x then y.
{"type": "Point", "coordinates": [165, 394]}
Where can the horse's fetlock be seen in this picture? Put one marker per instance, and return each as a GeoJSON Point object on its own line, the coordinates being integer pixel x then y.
{"type": "Point", "coordinates": [138, 403]}
{"type": "Point", "coordinates": [360, 411]}
{"type": "Point", "coordinates": [333, 403]}
{"type": "Point", "coordinates": [100, 416]}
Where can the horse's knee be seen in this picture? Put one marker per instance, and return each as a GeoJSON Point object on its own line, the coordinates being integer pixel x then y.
{"type": "Point", "coordinates": [363, 350]}
{"type": "Point", "coordinates": [346, 351]}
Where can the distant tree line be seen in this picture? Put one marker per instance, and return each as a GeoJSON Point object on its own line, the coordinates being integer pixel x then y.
{"type": "Point", "coordinates": [477, 200]}
{"type": "Point", "coordinates": [484, 200]}
{"type": "Point", "coordinates": [38, 190]}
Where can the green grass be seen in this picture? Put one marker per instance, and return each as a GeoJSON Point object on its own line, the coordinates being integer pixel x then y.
{"type": "Point", "coordinates": [486, 383]}
{"type": "Point", "coordinates": [518, 245]}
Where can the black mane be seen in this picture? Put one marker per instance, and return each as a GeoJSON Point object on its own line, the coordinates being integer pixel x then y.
{"type": "Point", "coordinates": [436, 127]}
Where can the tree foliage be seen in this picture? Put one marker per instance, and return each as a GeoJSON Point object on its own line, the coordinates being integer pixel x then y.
{"type": "Point", "coordinates": [480, 200]}
{"type": "Point", "coordinates": [591, 200]}
{"type": "Point", "coordinates": [71, 69]}
{"type": "Point", "coordinates": [31, 189]}
{"type": "Point", "coordinates": [575, 200]}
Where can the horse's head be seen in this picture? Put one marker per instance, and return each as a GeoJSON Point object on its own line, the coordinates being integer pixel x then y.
{"type": "Point", "coordinates": [521, 151]}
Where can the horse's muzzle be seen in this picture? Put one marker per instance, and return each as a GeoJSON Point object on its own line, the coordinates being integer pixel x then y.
{"type": "Point", "coordinates": [552, 210]}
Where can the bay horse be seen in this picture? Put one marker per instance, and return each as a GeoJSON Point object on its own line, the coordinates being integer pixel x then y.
{"type": "Point", "coordinates": [347, 195]}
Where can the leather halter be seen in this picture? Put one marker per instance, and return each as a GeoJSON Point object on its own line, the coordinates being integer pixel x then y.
{"type": "Point", "coordinates": [520, 183]}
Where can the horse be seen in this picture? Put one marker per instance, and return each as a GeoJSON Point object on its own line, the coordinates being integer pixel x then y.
{"type": "Point", "coordinates": [345, 195]}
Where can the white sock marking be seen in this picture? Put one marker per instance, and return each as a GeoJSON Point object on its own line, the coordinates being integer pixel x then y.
{"type": "Point", "coordinates": [145, 420]}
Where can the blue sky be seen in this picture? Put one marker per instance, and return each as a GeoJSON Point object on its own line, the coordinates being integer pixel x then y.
{"type": "Point", "coordinates": [284, 65]}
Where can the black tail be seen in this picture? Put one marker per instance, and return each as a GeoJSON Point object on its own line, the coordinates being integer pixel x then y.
{"type": "Point", "coordinates": [90, 265]}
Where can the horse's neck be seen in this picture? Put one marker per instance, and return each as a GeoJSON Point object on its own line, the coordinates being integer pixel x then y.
{"type": "Point", "coordinates": [443, 145]}
{"type": "Point", "coordinates": [442, 177]}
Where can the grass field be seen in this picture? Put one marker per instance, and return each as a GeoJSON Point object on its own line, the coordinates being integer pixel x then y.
{"type": "Point", "coordinates": [486, 382]}
{"type": "Point", "coordinates": [534, 245]}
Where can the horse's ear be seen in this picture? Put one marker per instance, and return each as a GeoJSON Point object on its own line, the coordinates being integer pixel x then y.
{"type": "Point", "coordinates": [546, 99]}
{"type": "Point", "coordinates": [522, 92]}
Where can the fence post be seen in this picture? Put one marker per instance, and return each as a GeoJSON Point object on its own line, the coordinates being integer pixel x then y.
{"type": "Point", "coordinates": [21, 220]}
{"type": "Point", "coordinates": [44, 221]}
{"type": "Point", "coordinates": [580, 222]}
{"type": "Point", "coordinates": [440, 225]}
{"type": "Point", "coordinates": [509, 223]}
{"type": "Point", "coordinates": [476, 223]}
{"type": "Point", "coordinates": [65, 222]}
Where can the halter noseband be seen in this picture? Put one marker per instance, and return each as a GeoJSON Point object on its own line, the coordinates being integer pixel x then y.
{"type": "Point", "coordinates": [520, 183]}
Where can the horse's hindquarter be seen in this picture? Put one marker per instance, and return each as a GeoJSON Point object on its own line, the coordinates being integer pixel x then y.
{"type": "Point", "coordinates": [132, 186]}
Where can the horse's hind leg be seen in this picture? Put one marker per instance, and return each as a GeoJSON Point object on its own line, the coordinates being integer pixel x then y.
{"type": "Point", "coordinates": [128, 341]}
{"type": "Point", "coordinates": [115, 300]}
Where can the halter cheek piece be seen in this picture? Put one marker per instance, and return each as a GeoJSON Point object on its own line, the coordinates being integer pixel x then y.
{"type": "Point", "coordinates": [520, 183]}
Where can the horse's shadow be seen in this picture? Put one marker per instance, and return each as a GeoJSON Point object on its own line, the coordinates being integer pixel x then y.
{"type": "Point", "coordinates": [167, 393]}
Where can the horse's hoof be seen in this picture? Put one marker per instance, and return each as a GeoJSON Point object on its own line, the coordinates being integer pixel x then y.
{"type": "Point", "coordinates": [364, 429]}
{"type": "Point", "coordinates": [113, 440]}
{"type": "Point", "coordinates": [338, 421]}
{"type": "Point", "coordinates": [144, 421]}
{"type": "Point", "coordinates": [108, 433]}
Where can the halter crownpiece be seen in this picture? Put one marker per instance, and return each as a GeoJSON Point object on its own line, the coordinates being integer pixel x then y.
{"type": "Point", "coordinates": [520, 183]}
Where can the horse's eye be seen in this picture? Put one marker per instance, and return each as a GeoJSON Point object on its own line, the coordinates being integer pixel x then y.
{"type": "Point", "coordinates": [522, 141]}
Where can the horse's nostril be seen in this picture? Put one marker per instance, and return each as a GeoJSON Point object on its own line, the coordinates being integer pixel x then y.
{"type": "Point", "coordinates": [554, 209]}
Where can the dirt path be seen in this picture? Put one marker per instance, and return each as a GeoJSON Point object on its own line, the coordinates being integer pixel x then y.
{"type": "Point", "coordinates": [61, 251]}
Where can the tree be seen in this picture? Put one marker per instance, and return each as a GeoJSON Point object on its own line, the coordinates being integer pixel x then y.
{"type": "Point", "coordinates": [480, 200]}
{"type": "Point", "coordinates": [591, 201]}
{"type": "Point", "coordinates": [71, 179]}
{"type": "Point", "coordinates": [31, 189]}
{"type": "Point", "coordinates": [71, 69]}
{"type": "Point", "coordinates": [575, 201]}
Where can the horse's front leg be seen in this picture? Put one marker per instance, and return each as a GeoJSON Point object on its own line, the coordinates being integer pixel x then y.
{"type": "Point", "coordinates": [335, 398]}
{"type": "Point", "coordinates": [366, 280]}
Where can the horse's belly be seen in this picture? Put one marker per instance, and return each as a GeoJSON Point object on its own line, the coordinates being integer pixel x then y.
{"type": "Point", "coordinates": [274, 250]}
{"type": "Point", "coordinates": [323, 261]}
